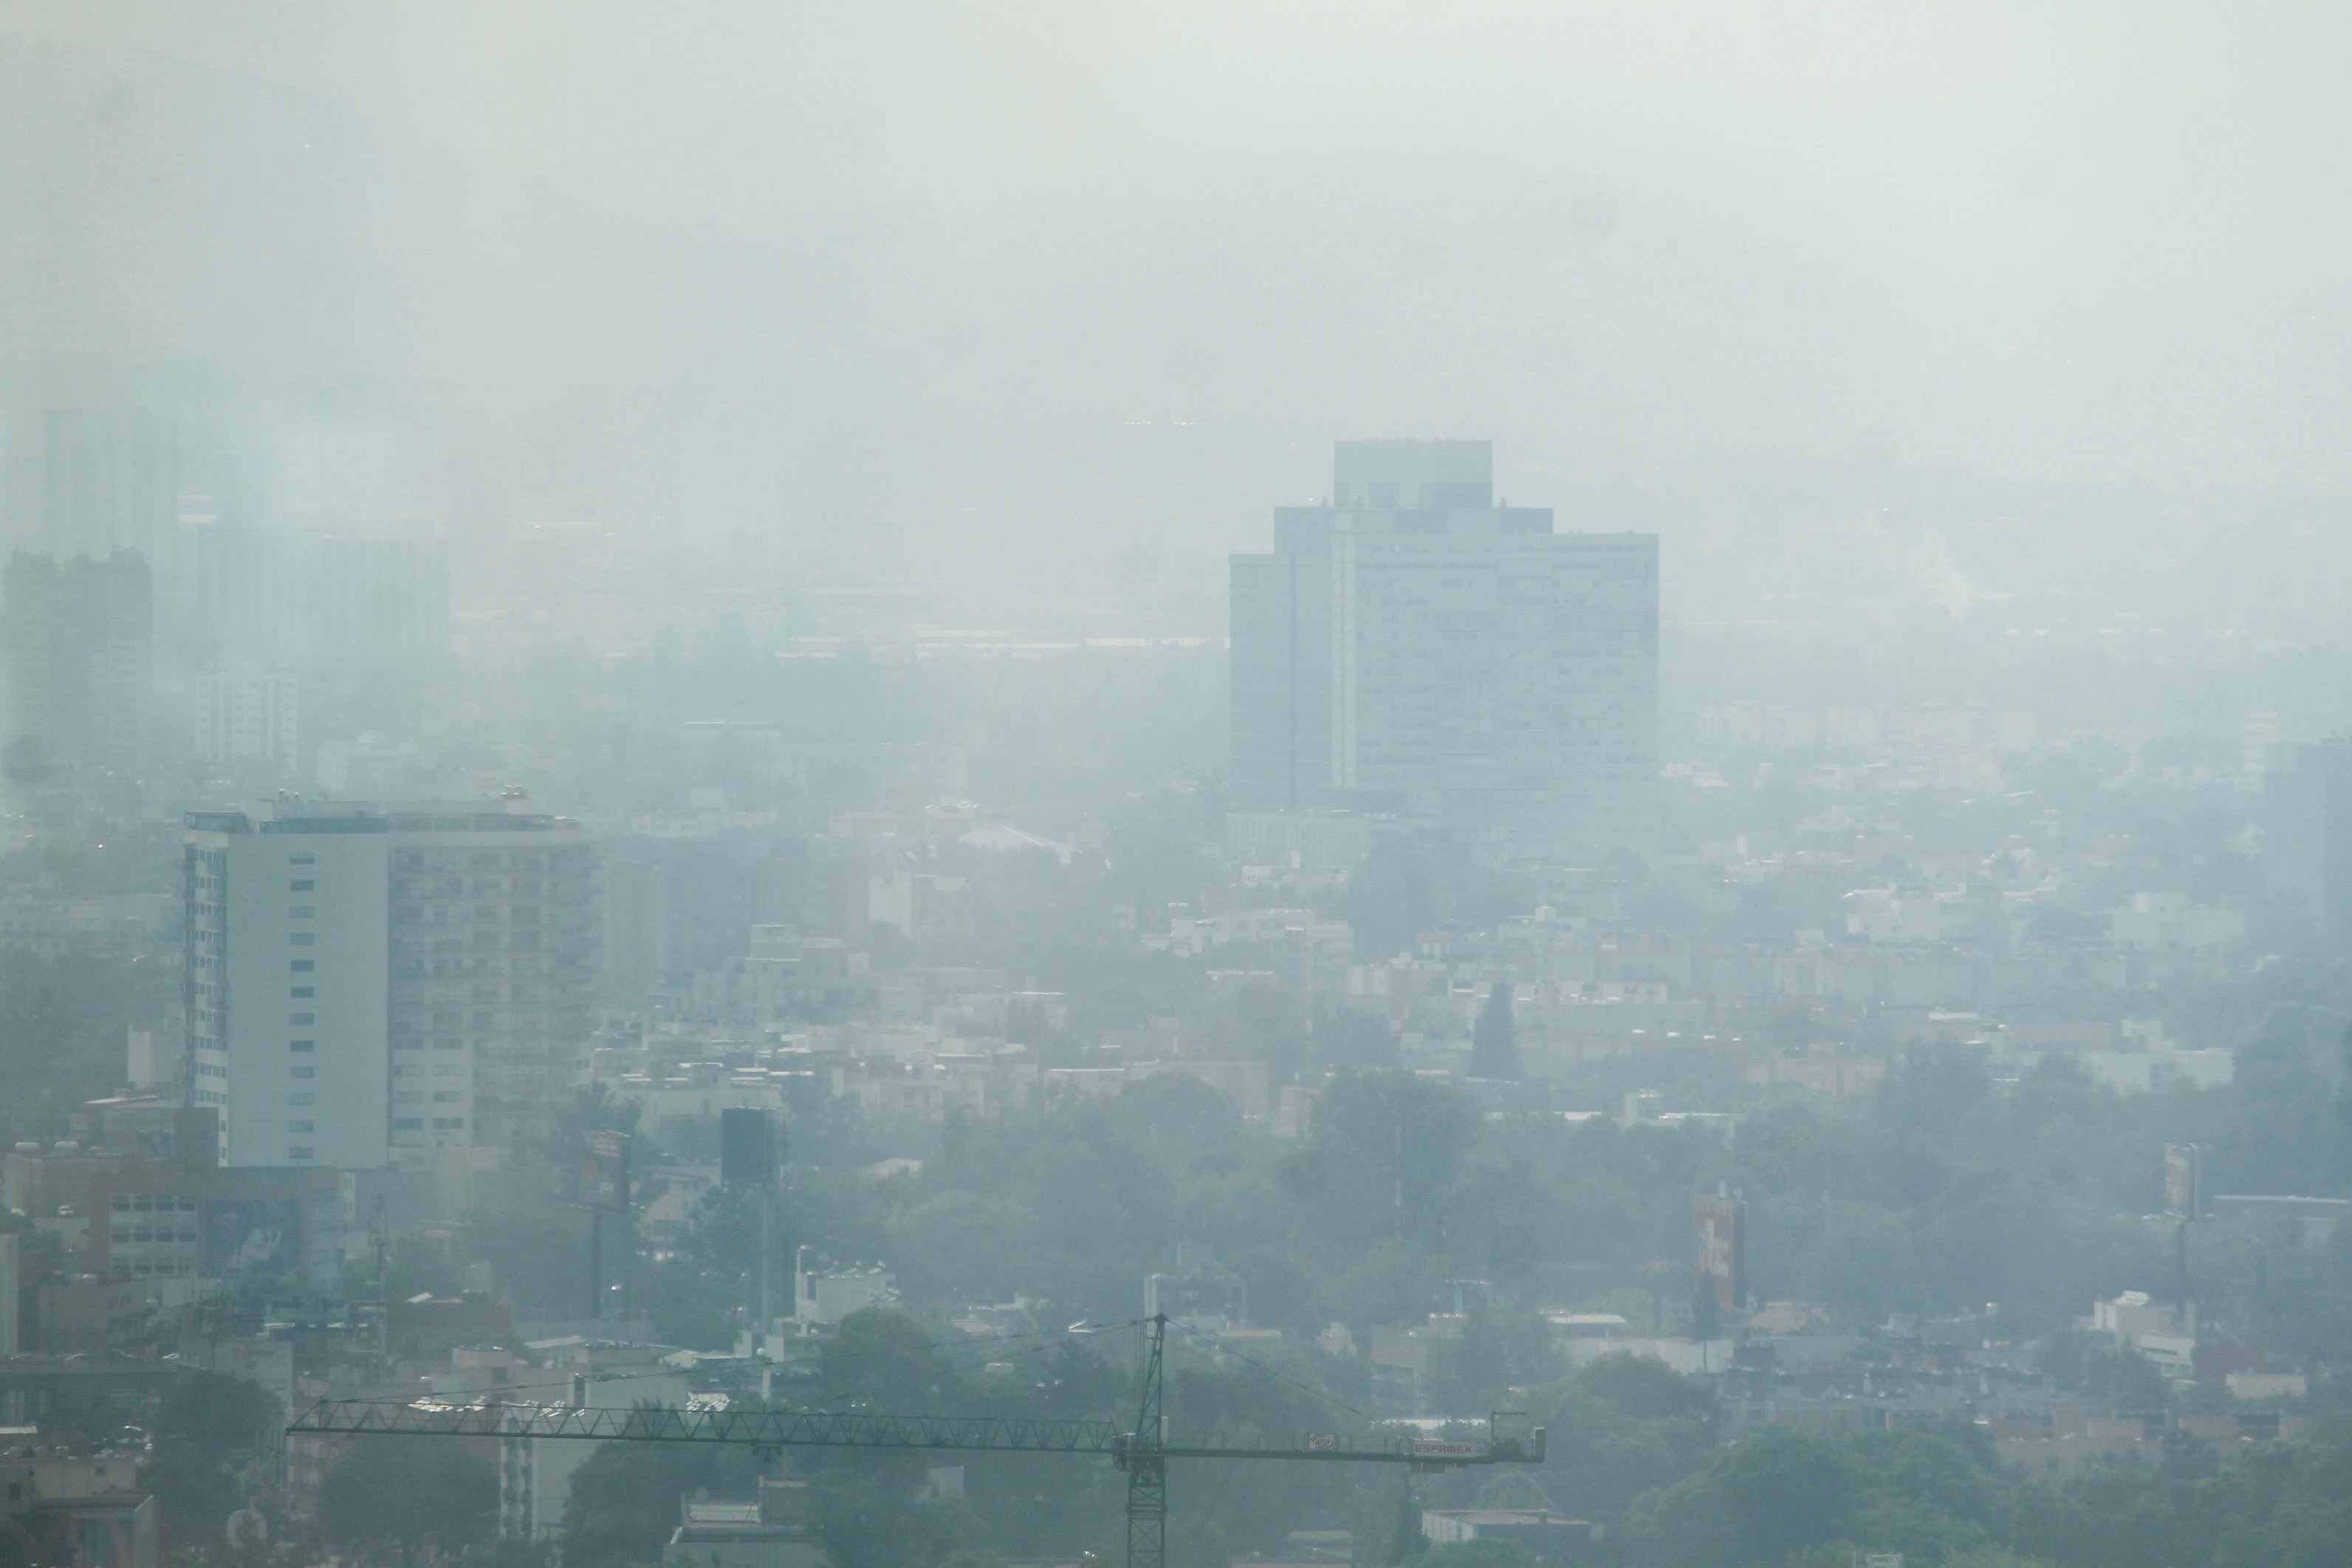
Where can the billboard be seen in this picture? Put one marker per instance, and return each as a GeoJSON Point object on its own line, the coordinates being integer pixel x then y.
{"type": "Point", "coordinates": [2180, 1180]}
{"type": "Point", "coordinates": [253, 1235]}
{"type": "Point", "coordinates": [604, 1170]}
{"type": "Point", "coordinates": [747, 1147]}
{"type": "Point", "coordinates": [1721, 1262]}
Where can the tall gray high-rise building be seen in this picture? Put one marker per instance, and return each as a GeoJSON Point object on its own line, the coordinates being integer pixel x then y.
{"type": "Point", "coordinates": [2307, 832]}
{"type": "Point", "coordinates": [370, 985]}
{"type": "Point", "coordinates": [79, 637]}
{"type": "Point", "coordinates": [110, 481]}
{"type": "Point", "coordinates": [1410, 646]}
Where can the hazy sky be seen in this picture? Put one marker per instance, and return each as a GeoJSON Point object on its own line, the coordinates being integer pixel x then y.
{"type": "Point", "coordinates": [2189, 148]}
{"type": "Point", "coordinates": [2090, 241]}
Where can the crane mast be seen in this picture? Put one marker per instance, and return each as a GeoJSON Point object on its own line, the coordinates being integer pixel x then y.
{"type": "Point", "coordinates": [1146, 1461]}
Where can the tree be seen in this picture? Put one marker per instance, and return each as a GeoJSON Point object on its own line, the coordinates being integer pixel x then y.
{"type": "Point", "coordinates": [1487, 1553]}
{"type": "Point", "coordinates": [1384, 1146]}
{"type": "Point", "coordinates": [2081, 1362]}
{"type": "Point", "coordinates": [869, 1515]}
{"type": "Point", "coordinates": [623, 1500]}
{"type": "Point", "coordinates": [963, 1247]}
{"type": "Point", "coordinates": [195, 1491]}
{"type": "Point", "coordinates": [882, 1356]}
{"type": "Point", "coordinates": [409, 1493]}
{"type": "Point", "coordinates": [1785, 1490]}
{"type": "Point", "coordinates": [1192, 1542]}
{"type": "Point", "coordinates": [1646, 1388]}
{"type": "Point", "coordinates": [1408, 1541]}
{"type": "Point", "coordinates": [223, 1414]}
{"type": "Point", "coordinates": [207, 1429]}
{"type": "Point", "coordinates": [1495, 1040]}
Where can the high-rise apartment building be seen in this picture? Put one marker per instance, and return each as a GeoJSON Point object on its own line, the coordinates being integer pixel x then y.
{"type": "Point", "coordinates": [247, 716]}
{"type": "Point", "coordinates": [367, 984]}
{"type": "Point", "coordinates": [110, 481]}
{"type": "Point", "coordinates": [1412, 646]}
{"type": "Point", "coordinates": [80, 642]}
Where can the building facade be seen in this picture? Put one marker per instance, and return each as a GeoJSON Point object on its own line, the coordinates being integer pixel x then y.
{"type": "Point", "coordinates": [248, 714]}
{"type": "Point", "coordinates": [80, 644]}
{"type": "Point", "coordinates": [312, 601]}
{"type": "Point", "coordinates": [2307, 832]}
{"type": "Point", "coordinates": [110, 481]}
{"type": "Point", "coordinates": [366, 985]}
{"type": "Point", "coordinates": [1413, 647]}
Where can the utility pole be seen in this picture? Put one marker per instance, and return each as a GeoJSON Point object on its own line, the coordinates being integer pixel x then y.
{"type": "Point", "coordinates": [380, 1267]}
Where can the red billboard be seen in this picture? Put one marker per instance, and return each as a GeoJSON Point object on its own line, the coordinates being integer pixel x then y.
{"type": "Point", "coordinates": [604, 1170]}
{"type": "Point", "coordinates": [1721, 1262]}
{"type": "Point", "coordinates": [2180, 1180]}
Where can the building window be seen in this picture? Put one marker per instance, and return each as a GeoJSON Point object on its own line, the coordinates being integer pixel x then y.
{"type": "Point", "coordinates": [302, 993]}
{"type": "Point", "coordinates": [407, 1123]}
{"type": "Point", "coordinates": [306, 1017]}
{"type": "Point", "coordinates": [301, 1044]}
{"type": "Point", "coordinates": [302, 884]}
{"type": "Point", "coordinates": [445, 1124]}
{"type": "Point", "coordinates": [306, 939]}
{"type": "Point", "coordinates": [449, 1097]}
{"type": "Point", "coordinates": [298, 1154]}
{"type": "Point", "coordinates": [301, 860]}
{"type": "Point", "coordinates": [301, 910]}
{"type": "Point", "coordinates": [302, 1072]}
{"type": "Point", "coordinates": [306, 1098]}
{"type": "Point", "coordinates": [298, 1126]}
{"type": "Point", "coordinates": [304, 966]}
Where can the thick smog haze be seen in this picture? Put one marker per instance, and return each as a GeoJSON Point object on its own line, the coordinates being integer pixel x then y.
{"type": "Point", "coordinates": [2079, 245]}
{"type": "Point", "coordinates": [1205, 786]}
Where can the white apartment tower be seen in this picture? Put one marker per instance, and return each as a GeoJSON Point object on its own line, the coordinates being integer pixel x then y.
{"type": "Point", "coordinates": [367, 984]}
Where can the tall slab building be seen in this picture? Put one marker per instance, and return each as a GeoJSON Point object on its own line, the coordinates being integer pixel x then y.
{"type": "Point", "coordinates": [112, 482]}
{"type": "Point", "coordinates": [1413, 647]}
{"type": "Point", "coordinates": [76, 641]}
{"type": "Point", "coordinates": [369, 985]}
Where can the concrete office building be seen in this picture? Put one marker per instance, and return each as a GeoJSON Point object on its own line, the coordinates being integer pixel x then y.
{"type": "Point", "coordinates": [79, 641]}
{"type": "Point", "coordinates": [1413, 647]}
{"type": "Point", "coordinates": [372, 985]}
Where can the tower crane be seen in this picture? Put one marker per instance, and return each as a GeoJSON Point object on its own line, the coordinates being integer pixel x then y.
{"type": "Point", "coordinates": [1142, 1453]}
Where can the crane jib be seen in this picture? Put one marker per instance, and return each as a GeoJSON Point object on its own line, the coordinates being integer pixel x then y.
{"type": "Point", "coordinates": [1143, 1453]}
{"type": "Point", "coordinates": [779, 1429]}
